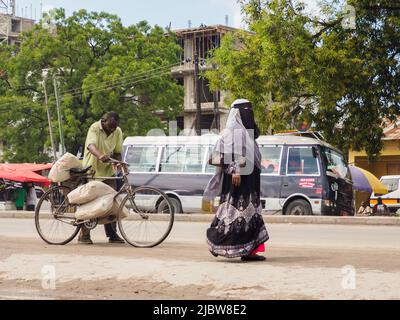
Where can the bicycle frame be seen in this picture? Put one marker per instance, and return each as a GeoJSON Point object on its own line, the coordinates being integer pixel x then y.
{"type": "Point", "coordinates": [126, 187]}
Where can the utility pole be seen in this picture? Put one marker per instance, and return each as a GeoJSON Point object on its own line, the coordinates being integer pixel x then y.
{"type": "Point", "coordinates": [216, 107]}
{"type": "Point", "coordinates": [216, 111]}
{"type": "Point", "coordinates": [197, 85]}
{"type": "Point", "coordinates": [12, 6]}
{"type": "Point", "coordinates": [60, 124]}
{"type": "Point", "coordinates": [49, 120]}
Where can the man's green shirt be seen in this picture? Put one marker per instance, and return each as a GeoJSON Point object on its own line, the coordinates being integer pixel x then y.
{"type": "Point", "coordinates": [108, 145]}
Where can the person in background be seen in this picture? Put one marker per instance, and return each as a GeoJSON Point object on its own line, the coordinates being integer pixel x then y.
{"type": "Point", "coordinates": [380, 209]}
{"type": "Point", "coordinates": [103, 142]}
{"type": "Point", "coordinates": [365, 209]}
{"type": "Point", "coordinates": [19, 196]}
{"type": "Point", "coordinates": [270, 169]}
{"type": "Point", "coordinates": [31, 199]}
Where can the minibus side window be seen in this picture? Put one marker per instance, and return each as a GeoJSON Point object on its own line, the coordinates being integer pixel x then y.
{"type": "Point", "coordinates": [194, 158]}
{"type": "Point", "coordinates": [182, 159]}
{"type": "Point", "coordinates": [270, 159]}
{"type": "Point", "coordinates": [171, 160]}
{"type": "Point", "coordinates": [209, 168]}
{"type": "Point", "coordinates": [301, 161]}
{"type": "Point", "coordinates": [142, 158]}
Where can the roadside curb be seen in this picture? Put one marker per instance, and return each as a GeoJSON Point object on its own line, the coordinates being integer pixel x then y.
{"type": "Point", "coordinates": [372, 221]}
{"type": "Point", "coordinates": [377, 221]}
{"type": "Point", "coordinates": [11, 214]}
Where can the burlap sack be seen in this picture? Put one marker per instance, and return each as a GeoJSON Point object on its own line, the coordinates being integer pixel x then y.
{"type": "Point", "coordinates": [89, 191]}
{"type": "Point", "coordinates": [113, 215]}
{"type": "Point", "coordinates": [60, 170]}
{"type": "Point", "coordinates": [98, 208]}
{"type": "Point", "coordinates": [117, 202]}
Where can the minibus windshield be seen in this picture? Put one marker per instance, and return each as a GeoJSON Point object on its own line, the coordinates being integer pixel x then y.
{"type": "Point", "coordinates": [391, 184]}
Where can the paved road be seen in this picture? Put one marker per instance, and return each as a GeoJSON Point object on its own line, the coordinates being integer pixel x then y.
{"type": "Point", "coordinates": [303, 262]}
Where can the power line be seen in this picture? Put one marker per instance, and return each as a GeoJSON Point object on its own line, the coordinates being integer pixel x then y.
{"type": "Point", "coordinates": [93, 91]}
{"type": "Point", "coordinates": [135, 81]}
{"type": "Point", "coordinates": [127, 77]}
{"type": "Point", "coordinates": [117, 83]}
{"type": "Point", "coordinates": [138, 75]}
{"type": "Point", "coordinates": [51, 97]}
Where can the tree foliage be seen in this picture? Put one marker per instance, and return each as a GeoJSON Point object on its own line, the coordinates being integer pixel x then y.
{"type": "Point", "coordinates": [100, 65]}
{"type": "Point", "coordinates": [348, 79]}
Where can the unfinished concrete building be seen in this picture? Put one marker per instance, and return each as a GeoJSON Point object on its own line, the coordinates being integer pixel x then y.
{"type": "Point", "coordinates": [202, 41]}
{"type": "Point", "coordinates": [11, 28]}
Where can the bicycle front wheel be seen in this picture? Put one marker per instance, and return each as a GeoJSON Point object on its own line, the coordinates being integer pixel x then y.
{"type": "Point", "coordinates": [55, 218]}
{"type": "Point", "coordinates": [145, 217]}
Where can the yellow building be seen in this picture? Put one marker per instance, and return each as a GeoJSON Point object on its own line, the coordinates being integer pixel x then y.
{"type": "Point", "coordinates": [388, 162]}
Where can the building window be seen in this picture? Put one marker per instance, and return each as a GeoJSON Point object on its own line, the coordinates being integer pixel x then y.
{"type": "Point", "coordinates": [206, 95]}
{"type": "Point", "coordinates": [180, 81]}
{"type": "Point", "coordinates": [206, 121]}
{"type": "Point", "coordinates": [181, 54]}
{"type": "Point", "coordinates": [205, 44]}
{"type": "Point", "coordinates": [16, 26]}
{"type": "Point", "coordinates": [180, 123]}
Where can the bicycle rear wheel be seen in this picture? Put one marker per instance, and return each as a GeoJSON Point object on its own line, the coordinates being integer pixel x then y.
{"type": "Point", "coordinates": [55, 218]}
{"type": "Point", "coordinates": [149, 217]}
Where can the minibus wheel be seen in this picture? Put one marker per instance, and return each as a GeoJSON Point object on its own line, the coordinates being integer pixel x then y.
{"type": "Point", "coordinates": [298, 207]}
{"type": "Point", "coordinates": [175, 204]}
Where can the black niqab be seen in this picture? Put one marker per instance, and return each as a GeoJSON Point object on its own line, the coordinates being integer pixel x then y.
{"type": "Point", "coordinates": [247, 116]}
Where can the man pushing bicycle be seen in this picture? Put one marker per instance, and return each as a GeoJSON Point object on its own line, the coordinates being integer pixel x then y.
{"type": "Point", "coordinates": [103, 142]}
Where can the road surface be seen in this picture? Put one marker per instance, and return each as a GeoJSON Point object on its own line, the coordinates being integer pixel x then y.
{"type": "Point", "coordinates": [303, 262]}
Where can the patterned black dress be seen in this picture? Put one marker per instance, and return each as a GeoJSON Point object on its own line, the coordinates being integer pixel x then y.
{"type": "Point", "coordinates": [238, 228]}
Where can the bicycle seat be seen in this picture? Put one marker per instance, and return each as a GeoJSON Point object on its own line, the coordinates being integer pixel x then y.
{"type": "Point", "coordinates": [79, 170]}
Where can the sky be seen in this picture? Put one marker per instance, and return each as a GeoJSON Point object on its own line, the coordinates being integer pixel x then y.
{"type": "Point", "coordinates": [160, 12]}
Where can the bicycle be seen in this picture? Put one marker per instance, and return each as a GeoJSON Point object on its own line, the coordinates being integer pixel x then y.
{"type": "Point", "coordinates": [149, 212]}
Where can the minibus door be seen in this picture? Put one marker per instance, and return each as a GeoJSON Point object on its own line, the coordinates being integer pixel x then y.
{"type": "Point", "coordinates": [302, 173]}
{"type": "Point", "coordinates": [339, 186]}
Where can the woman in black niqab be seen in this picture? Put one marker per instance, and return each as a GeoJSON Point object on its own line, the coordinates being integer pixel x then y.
{"type": "Point", "coordinates": [238, 229]}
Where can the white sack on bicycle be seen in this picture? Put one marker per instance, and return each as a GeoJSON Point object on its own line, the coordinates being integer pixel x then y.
{"type": "Point", "coordinates": [115, 211]}
{"type": "Point", "coordinates": [117, 202]}
{"type": "Point", "coordinates": [100, 207]}
{"type": "Point", "coordinates": [59, 172]}
{"type": "Point", "coordinates": [89, 192]}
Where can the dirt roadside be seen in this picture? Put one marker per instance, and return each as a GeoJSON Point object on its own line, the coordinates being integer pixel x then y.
{"type": "Point", "coordinates": [187, 271]}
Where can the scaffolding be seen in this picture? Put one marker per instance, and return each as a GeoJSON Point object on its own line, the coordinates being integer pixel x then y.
{"type": "Point", "coordinates": [4, 21]}
{"type": "Point", "coordinates": [4, 27]}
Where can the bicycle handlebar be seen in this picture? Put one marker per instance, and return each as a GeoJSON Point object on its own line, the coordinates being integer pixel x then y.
{"type": "Point", "coordinates": [123, 165]}
{"type": "Point", "coordinates": [118, 162]}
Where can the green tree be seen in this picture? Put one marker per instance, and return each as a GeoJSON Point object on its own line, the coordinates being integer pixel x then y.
{"type": "Point", "coordinates": [100, 66]}
{"type": "Point", "coordinates": [348, 79]}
